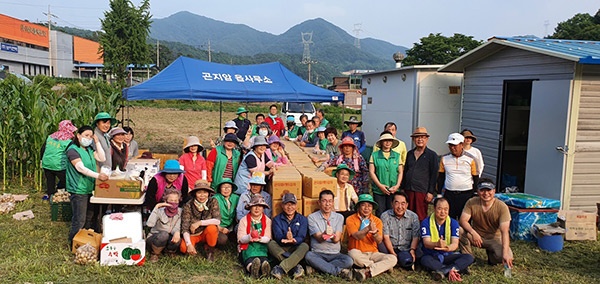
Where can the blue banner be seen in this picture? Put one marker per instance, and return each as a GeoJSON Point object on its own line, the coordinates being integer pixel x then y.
{"type": "Point", "coordinates": [9, 47]}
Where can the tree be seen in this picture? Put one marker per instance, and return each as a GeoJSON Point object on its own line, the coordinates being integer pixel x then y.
{"type": "Point", "coordinates": [580, 27]}
{"type": "Point", "coordinates": [438, 49]}
{"type": "Point", "coordinates": [123, 41]}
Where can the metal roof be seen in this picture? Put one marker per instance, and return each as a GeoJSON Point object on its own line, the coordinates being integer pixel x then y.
{"type": "Point", "coordinates": [580, 51]}
{"type": "Point", "coordinates": [404, 68]}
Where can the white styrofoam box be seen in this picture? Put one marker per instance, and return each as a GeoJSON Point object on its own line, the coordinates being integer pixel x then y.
{"type": "Point", "coordinates": [129, 253]}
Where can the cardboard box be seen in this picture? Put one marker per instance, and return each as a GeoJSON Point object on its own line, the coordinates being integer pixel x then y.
{"type": "Point", "coordinates": [123, 241]}
{"type": "Point", "coordinates": [149, 166]}
{"type": "Point", "coordinates": [118, 188]}
{"type": "Point", "coordinates": [314, 182]}
{"type": "Point", "coordinates": [309, 205]}
{"type": "Point", "coordinates": [579, 225]}
{"type": "Point", "coordinates": [87, 236]}
{"type": "Point", "coordinates": [286, 183]}
{"type": "Point", "coordinates": [277, 206]}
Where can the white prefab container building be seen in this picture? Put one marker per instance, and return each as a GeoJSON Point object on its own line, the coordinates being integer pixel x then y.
{"type": "Point", "coordinates": [534, 105]}
{"type": "Point", "coordinates": [412, 96]}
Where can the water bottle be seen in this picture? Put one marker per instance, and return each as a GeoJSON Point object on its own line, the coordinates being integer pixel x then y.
{"type": "Point", "coordinates": [507, 271]}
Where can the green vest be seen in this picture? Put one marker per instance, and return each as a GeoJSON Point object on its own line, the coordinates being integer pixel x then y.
{"type": "Point", "coordinates": [221, 163]}
{"type": "Point", "coordinates": [255, 249]}
{"type": "Point", "coordinates": [323, 144]}
{"type": "Point", "coordinates": [386, 170]}
{"type": "Point", "coordinates": [227, 215]}
{"type": "Point", "coordinates": [55, 157]}
{"type": "Point", "coordinates": [293, 133]}
{"type": "Point", "coordinates": [76, 182]}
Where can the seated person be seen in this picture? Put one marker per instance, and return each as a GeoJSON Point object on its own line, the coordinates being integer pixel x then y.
{"type": "Point", "coordinates": [276, 152]}
{"type": "Point", "coordinates": [287, 246]}
{"type": "Point", "coordinates": [401, 231]}
{"type": "Point", "coordinates": [440, 244]}
{"type": "Point", "coordinates": [227, 204]}
{"type": "Point", "coordinates": [253, 234]}
{"type": "Point", "coordinates": [257, 184]}
{"type": "Point", "coordinates": [165, 223]}
{"type": "Point", "coordinates": [309, 139]}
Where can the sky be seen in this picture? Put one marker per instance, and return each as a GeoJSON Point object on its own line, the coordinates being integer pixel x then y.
{"type": "Point", "coordinates": [399, 22]}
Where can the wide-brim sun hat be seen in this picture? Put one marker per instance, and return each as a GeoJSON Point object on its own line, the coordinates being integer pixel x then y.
{"type": "Point", "coordinates": [274, 139]}
{"type": "Point", "coordinates": [342, 167]}
{"type": "Point", "coordinates": [353, 119]}
{"type": "Point", "coordinates": [172, 167]}
{"type": "Point", "coordinates": [455, 139]}
{"type": "Point", "coordinates": [366, 198]}
{"type": "Point", "coordinates": [116, 131]}
{"type": "Point", "coordinates": [230, 137]}
{"type": "Point", "coordinates": [387, 136]}
{"type": "Point", "coordinates": [229, 181]}
{"type": "Point", "coordinates": [241, 110]}
{"type": "Point", "coordinates": [257, 199]}
{"type": "Point", "coordinates": [259, 141]}
{"type": "Point", "coordinates": [321, 129]}
{"type": "Point", "coordinates": [420, 131]}
{"type": "Point", "coordinates": [105, 116]}
{"type": "Point", "coordinates": [468, 134]}
{"type": "Point", "coordinates": [257, 178]}
{"type": "Point", "coordinates": [230, 124]}
{"type": "Point", "coordinates": [201, 185]}
{"type": "Point", "coordinates": [193, 141]}
{"type": "Point", "coordinates": [347, 141]}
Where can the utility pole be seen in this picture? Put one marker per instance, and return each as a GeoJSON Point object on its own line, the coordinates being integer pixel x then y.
{"type": "Point", "coordinates": [357, 29]}
{"type": "Point", "coordinates": [307, 41]}
{"type": "Point", "coordinates": [157, 54]}
{"type": "Point", "coordinates": [209, 52]}
{"type": "Point", "coordinates": [50, 15]}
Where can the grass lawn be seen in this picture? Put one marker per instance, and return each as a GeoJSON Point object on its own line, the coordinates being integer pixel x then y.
{"type": "Point", "coordinates": [36, 251]}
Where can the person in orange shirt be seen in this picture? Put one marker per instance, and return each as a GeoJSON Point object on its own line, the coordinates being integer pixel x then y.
{"type": "Point", "coordinates": [365, 232]}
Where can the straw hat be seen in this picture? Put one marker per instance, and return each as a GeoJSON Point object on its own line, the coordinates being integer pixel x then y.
{"type": "Point", "coordinates": [191, 141]}
{"type": "Point", "coordinates": [387, 136]}
{"type": "Point", "coordinates": [468, 134]}
{"type": "Point", "coordinates": [257, 200]}
{"type": "Point", "coordinates": [420, 131]}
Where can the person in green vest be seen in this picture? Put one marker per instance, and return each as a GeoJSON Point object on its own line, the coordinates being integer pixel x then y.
{"type": "Point", "coordinates": [227, 204]}
{"type": "Point", "coordinates": [321, 115]}
{"type": "Point", "coordinates": [54, 160]}
{"type": "Point", "coordinates": [259, 118]}
{"type": "Point", "coordinates": [385, 170]}
{"type": "Point", "coordinates": [254, 234]}
{"type": "Point", "coordinates": [292, 130]}
{"type": "Point", "coordinates": [223, 161]}
{"type": "Point", "coordinates": [81, 176]}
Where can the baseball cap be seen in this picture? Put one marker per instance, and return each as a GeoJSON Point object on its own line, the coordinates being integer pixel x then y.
{"type": "Point", "coordinates": [486, 185]}
{"type": "Point", "coordinates": [455, 139]}
{"type": "Point", "coordinates": [289, 197]}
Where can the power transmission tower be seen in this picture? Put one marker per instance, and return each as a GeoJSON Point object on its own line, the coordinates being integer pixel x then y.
{"type": "Point", "coordinates": [307, 41]}
{"type": "Point", "coordinates": [357, 29]}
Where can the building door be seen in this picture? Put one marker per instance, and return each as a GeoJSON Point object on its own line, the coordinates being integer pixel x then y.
{"type": "Point", "coordinates": [546, 147]}
{"type": "Point", "coordinates": [514, 129]}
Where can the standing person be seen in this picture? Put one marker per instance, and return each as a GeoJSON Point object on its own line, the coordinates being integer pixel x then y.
{"type": "Point", "coordinates": [470, 139]}
{"type": "Point", "coordinates": [325, 228]}
{"type": "Point", "coordinates": [345, 196]}
{"type": "Point", "coordinates": [118, 148]}
{"type": "Point", "coordinates": [349, 155]}
{"type": "Point", "coordinates": [172, 177]}
{"type": "Point", "coordinates": [259, 118]}
{"type": "Point", "coordinates": [457, 175]}
{"type": "Point", "coordinates": [200, 220]}
{"type": "Point", "coordinates": [229, 127]}
{"type": "Point", "coordinates": [54, 160]}
{"type": "Point", "coordinates": [440, 235]}
{"type": "Point", "coordinates": [364, 235]}
{"type": "Point", "coordinates": [254, 234]}
{"type": "Point", "coordinates": [165, 225]}
{"type": "Point", "coordinates": [132, 145]}
{"type": "Point", "coordinates": [385, 169]}
{"type": "Point", "coordinates": [227, 204]}
{"type": "Point", "coordinates": [357, 136]}
{"type": "Point", "coordinates": [292, 130]}
{"type": "Point", "coordinates": [321, 115]}
{"type": "Point", "coordinates": [275, 122]}
{"type": "Point", "coordinates": [192, 161]}
{"type": "Point", "coordinates": [401, 148]}
{"type": "Point", "coordinates": [255, 161]}
{"type": "Point", "coordinates": [486, 221]}
{"type": "Point", "coordinates": [276, 152]}
{"type": "Point", "coordinates": [223, 161]}
{"type": "Point", "coordinates": [401, 231]}
{"type": "Point", "coordinates": [102, 123]}
{"type": "Point", "coordinates": [420, 174]}
{"type": "Point", "coordinates": [242, 122]}
{"type": "Point", "coordinates": [257, 185]}
{"type": "Point", "coordinates": [81, 175]}
{"type": "Point", "coordinates": [287, 246]}
{"type": "Point", "coordinates": [309, 138]}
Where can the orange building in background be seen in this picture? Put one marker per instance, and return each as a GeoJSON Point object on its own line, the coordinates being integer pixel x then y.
{"type": "Point", "coordinates": [85, 50]}
{"type": "Point", "coordinates": [21, 31]}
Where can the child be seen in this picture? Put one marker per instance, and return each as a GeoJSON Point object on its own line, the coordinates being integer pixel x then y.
{"type": "Point", "coordinates": [164, 223]}
{"type": "Point", "coordinates": [254, 233]}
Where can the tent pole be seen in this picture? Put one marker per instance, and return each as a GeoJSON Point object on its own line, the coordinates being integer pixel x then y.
{"type": "Point", "coordinates": [343, 109]}
{"type": "Point", "coordinates": [220, 118]}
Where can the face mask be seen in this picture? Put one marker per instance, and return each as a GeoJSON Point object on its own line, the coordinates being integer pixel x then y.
{"type": "Point", "coordinates": [86, 141]}
{"type": "Point", "coordinates": [263, 132]}
{"type": "Point", "coordinates": [291, 124]}
{"type": "Point", "coordinates": [310, 131]}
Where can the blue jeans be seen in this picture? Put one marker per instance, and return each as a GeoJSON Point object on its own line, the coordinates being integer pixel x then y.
{"type": "Point", "coordinates": [458, 260]}
{"type": "Point", "coordinates": [82, 213]}
{"type": "Point", "coordinates": [328, 263]}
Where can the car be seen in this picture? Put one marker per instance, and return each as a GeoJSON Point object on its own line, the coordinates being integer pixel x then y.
{"type": "Point", "coordinates": [297, 109]}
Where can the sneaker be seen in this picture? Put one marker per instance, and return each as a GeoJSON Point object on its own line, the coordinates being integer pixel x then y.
{"type": "Point", "coordinates": [255, 268]}
{"type": "Point", "coordinates": [309, 270]}
{"type": "Point", "coordinates": [277, 272]}
{"type": "Point", "coordinates": [297, 272]}
{"type": "Point", "coordinates": [360, 275]}
{"type": "Point", "coordinates": [438, 275]}
{"type": "Point", "coordinates": [45, 197]}
{"type": "Point", "coordinates": [265, 269]}
{"type": "Point", "coordinates": [346, 274]}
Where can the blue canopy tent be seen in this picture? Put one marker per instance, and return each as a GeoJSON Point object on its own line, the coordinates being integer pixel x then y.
{"type": "Point", "coordinates": [193, 79]}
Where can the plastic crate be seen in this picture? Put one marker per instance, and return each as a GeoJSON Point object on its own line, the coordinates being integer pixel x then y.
{"type": "Point", "coordinates": [60, 211]}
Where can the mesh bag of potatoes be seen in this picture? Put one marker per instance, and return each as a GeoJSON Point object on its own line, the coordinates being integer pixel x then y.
{"type": "Point", "coordinates": [86, 254]}
{"type": "Point", "coordinates": [60, 196]}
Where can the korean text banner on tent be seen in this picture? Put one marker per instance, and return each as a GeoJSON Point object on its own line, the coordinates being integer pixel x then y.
{"type": "Point", "coordinates": [192, 79]}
